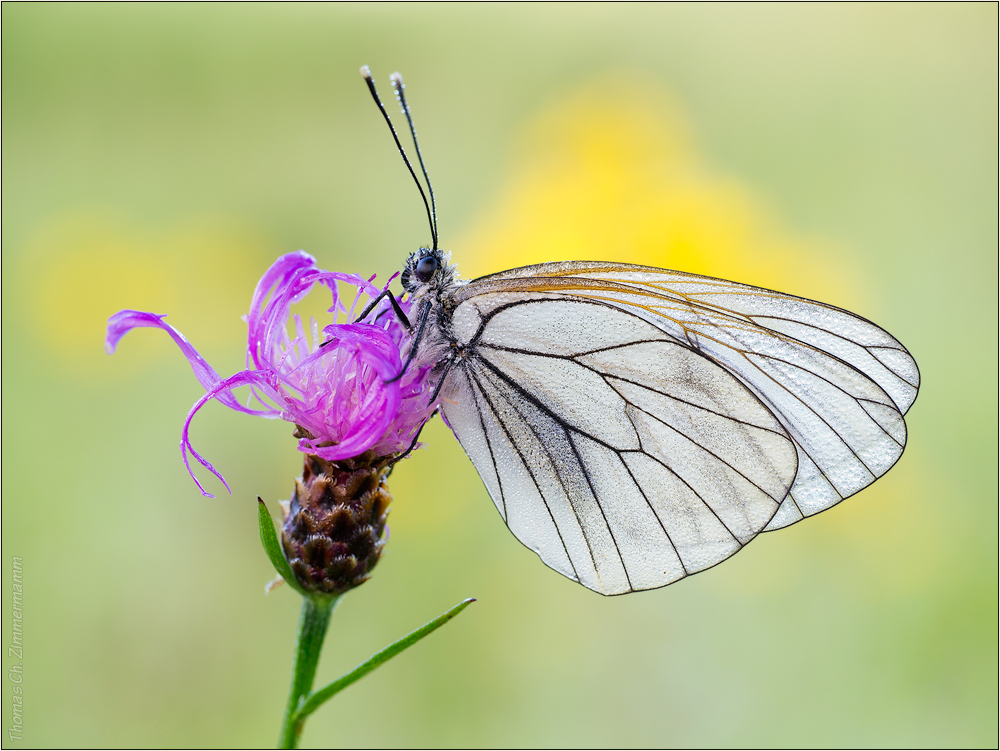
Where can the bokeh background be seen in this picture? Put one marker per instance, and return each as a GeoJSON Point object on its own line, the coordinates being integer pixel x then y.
{"type": "Point", "coordinates": [160, 157]}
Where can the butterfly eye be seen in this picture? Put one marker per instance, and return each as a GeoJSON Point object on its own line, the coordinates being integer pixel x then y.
{"type": "Point", "coordinates": [426, 268]}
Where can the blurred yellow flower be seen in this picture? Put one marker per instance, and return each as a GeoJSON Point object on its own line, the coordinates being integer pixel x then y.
{"type": "Point", "coordinates": [78, 269]}
{"type": "Point", "coordinates": [613, 172]}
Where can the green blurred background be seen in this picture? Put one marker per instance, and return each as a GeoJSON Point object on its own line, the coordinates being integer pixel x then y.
{"type": "Point", "coordinates": [160, 157]}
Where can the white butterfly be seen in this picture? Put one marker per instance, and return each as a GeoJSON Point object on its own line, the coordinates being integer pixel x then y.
{"type": "Point", "coordinates": [635, 425]}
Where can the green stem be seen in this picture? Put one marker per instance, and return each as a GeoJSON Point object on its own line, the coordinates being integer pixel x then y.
{"type": "Point", "coordinates": [314, 701]}
{"type": "Point", "coordinates": [313, 624]}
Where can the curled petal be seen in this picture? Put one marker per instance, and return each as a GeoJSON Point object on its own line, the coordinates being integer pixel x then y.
{"type": "Point", "coordinates": [289, 279]}
{"type": "Point", "coordinates": [281, 279]}
{"type": "Point", "coordinates": [125, 320]}
{"type": "Point", "coordinates": [219, 391]}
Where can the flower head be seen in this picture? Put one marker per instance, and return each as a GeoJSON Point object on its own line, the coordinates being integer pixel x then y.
{"type": "Point", "coordinates": [341, 390]}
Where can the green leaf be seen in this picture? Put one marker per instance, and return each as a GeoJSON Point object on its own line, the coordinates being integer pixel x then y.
{"type": "Point", "coordinates": [269, 539]}
{"type": "Point", "coordinates": [314, 700]}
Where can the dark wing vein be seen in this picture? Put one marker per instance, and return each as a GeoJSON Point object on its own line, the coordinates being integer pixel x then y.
{"type": "Point", "coordinates": [486, 438]}
{"type": "Point", "coordinates": [849, 394]}
{"type": "Point", "coordinates": [703, 448]}
{"type": "Point", "coordinates": [566, 428]}
{"type": "Point", "coordinates": [628, 380]}
{"type": "Point", "coordinates": [531, 473]}
{"type": "Point", "coordinates": [658, 519]}
{"type": "Point", "coordinates": [824, 420]}
{"type": "Point", "coordinates": [699, 496]}
{"type": "Point", "coordinates": [593, 492]}
{"type": "Point", "coordinates": [799, 444]}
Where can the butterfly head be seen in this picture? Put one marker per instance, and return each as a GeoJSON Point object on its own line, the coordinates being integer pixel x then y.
{"type": "Point", "coordinates": [427, 269]}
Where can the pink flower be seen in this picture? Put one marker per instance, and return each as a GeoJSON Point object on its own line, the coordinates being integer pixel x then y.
{"type": "Point", "coordinates": [339, 390]}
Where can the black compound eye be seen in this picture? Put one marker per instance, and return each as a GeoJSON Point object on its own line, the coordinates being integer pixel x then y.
{"type": "Point", "coordinates": [425, 268]}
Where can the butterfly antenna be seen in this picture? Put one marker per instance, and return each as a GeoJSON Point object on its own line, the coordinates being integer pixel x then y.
{"type": "Point", "coordinates": [399, 86]}
{"type": "Point", "coordinates": [367, 75]}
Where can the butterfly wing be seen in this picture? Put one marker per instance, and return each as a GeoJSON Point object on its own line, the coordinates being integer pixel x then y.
{"type": "Point", "coordinates": [837, 383]}
{"type": "Point", "coordinates": [624, 459]}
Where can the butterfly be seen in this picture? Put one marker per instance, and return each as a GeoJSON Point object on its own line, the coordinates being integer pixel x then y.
{"type": "Point", "coordinates": [635, 425]}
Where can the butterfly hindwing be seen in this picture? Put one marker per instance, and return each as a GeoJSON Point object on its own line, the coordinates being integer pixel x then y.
{"type": "Point", "coordinates": [624, 459]}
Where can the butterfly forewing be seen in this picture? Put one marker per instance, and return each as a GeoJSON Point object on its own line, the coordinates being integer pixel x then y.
{"type": "Point", "coordinates": [833, 330]}
{"type": "Point", "coordinates": [624, 458]}
{"type": "Point", "coordinates": [836, 383]}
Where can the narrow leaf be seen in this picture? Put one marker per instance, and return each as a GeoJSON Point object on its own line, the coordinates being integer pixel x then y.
{"type": "Point", "coordinates": [269, 539]}
{"type": "Point", "coordinates": [316, 699]}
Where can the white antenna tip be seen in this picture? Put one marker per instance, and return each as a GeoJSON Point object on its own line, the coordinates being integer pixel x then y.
{"type": "Point", "coordinates": [396, 79]}
{"type": "Point", "coordinates": [366, 72]}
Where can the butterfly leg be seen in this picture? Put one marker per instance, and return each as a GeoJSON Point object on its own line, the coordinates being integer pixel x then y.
{"type": "Point", "coordinates": [371, 306]}
{"type": "Point", "coordinates": [413, 443]}
{"type": "Point", "coordinates": [437, 390]}
{"type": "Point", "coordinates": [395, 307]}
{"type": "Point", "coordinates": [444, 372]}
{"type": "Point", "coordinates": [416, 341]}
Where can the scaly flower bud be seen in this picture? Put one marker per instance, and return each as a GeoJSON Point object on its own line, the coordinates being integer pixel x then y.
{"type": "Point", "coordinates": [333, 528]}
